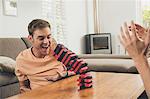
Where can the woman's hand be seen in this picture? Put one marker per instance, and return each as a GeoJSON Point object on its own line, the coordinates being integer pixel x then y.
{"type": "Point", "coordinates": [140, 31]}
{"type": "Point", "coordinates": [130, 41]}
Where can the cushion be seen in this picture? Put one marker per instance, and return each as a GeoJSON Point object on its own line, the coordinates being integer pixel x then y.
{"type": "Point", "coordinates": [7, 64]}
{"type": "Point", "coordinates": [7, 78]}
{"type": "Point", "coordinates": [111, 65]}
{"type": "Point", "coordinates": [11, 47]}
{"type": "Point", "coordinates": [27, 42]}
{"type": "Point", "coordinates": [103, 56]}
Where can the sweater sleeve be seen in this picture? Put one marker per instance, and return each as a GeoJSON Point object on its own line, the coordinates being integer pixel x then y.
{"type": "Point", "coordinates": [22, 78]}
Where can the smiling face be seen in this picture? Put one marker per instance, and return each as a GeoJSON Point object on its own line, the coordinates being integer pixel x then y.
{"type": "Point", "coordinates": [41, 41]}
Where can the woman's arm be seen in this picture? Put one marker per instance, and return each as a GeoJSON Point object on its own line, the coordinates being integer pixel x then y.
{"type": "Point", "coordinates": [143, 68]}
{"type": "Point", "coordinates": [136, 49]}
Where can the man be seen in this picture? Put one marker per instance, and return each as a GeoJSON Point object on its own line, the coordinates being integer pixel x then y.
{"type": "Point", "coordinates": [37, 64]}
{"type": "Point", "coordinates": [137, 49]}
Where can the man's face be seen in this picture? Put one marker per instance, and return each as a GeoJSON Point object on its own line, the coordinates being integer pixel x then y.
{"type": "Point", "coordinates": [41, 41]}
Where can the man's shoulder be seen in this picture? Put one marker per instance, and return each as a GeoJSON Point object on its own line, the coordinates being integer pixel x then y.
{"type": "Point", "coordinates": [23, 54]}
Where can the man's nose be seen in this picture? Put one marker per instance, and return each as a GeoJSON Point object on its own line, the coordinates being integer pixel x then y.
{"type": "Point", "coordinates": [46, 40]}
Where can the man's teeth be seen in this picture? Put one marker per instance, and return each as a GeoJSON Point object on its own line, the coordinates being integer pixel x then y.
{"type": "Point", "coordinates": [45, 46]}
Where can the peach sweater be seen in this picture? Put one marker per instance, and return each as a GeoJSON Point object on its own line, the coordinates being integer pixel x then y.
{"type": "Point", "coordinates": [40, 71]}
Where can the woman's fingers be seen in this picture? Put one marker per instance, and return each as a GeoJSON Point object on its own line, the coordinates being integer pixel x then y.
{"type": "Point", "coordinates": [126, 31]}
{"type": "Point", "coordinates": [125, 34]}
{"type": "Point", "coordinates": [147, 38]}
{"type": "Point", "coordinates": [121, 40]}
{"type": "Point", "coordinates": [133, 30]}
{"type": "Point", "coordinates": [122, 36]}
{"type": "Point", "coordinates": [138, 27]}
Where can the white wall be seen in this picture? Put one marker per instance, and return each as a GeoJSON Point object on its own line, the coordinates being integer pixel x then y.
{"type": "Point", "coordinates": [17, 26]}
{"type": "Point", "coordinates": [112, 15]}
{"type": "Point", "coordinates": [76, 24]}
{"type": "Point", "coordinates": [31, 9]}
{"type": "Point", "coordinates": [0, 17]}
{"type": "Point", "coordinates": [79, 19]}
{"type": "Point", "coordinates": [90, 16]}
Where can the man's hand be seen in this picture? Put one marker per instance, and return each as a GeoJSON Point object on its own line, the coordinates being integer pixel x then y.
{"type": "Point", "coordinates": [130, 41]}
{"type": "Point", "coordinates": [23, 88]}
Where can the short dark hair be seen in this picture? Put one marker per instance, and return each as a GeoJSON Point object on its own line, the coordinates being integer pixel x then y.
{"type": "Point", "coordinates": [37, 24]}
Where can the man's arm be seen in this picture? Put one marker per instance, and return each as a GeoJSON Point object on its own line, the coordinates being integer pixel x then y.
{"type": "Point", "coordinates": [22, 78]}
{"type": "Point", "coordinates": [23, 88]}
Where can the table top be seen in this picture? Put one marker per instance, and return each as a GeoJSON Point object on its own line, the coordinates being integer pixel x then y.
{"type": "Point", "coordinates": [105, 86]}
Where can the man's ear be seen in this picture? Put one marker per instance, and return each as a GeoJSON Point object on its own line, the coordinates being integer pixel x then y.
{"type": "Point", "coordinates": [30, 38]}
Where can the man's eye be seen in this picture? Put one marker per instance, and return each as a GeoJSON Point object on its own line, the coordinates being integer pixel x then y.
{"type": "Point", "coordinates": [48, 37]}
{"type": "Point", "coordinates": [41, 38]}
